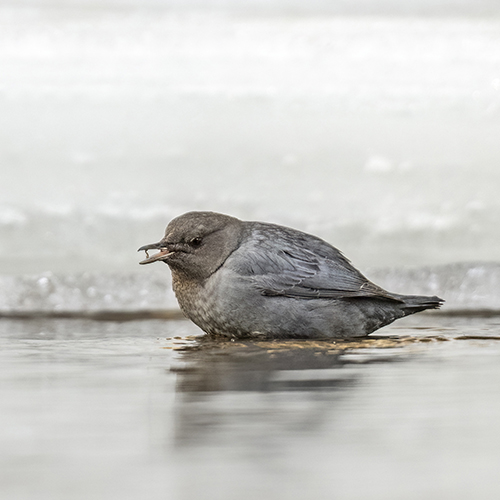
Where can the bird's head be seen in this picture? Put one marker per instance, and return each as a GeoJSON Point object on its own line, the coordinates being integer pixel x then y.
{"type": "Point", "coordinates": [196, 243]}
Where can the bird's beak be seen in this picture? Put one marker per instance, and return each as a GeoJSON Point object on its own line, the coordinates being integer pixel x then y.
{"type": "Point", "coordinates": [163, 252]}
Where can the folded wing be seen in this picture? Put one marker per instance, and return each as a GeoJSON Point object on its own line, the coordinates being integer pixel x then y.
{"type": "Point", "coordinates": [284, 262]}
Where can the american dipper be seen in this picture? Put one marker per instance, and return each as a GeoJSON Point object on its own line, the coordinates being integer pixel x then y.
{"type": "Point", "coordinates": [242, 279]}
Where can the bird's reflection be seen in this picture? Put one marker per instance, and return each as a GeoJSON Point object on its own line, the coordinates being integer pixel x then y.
{"type": "Point", "coordinates": [245, 366]}
{"type": "Point", "coordinates": [229, 387]}
{"type": "Point", "coordinates": [209, 365]}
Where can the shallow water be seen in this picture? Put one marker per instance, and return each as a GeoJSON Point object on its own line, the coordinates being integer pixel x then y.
{"type": "Point", "coordinates": [149, 409]}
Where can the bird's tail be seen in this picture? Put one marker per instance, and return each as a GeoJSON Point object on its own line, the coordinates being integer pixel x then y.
{"type": "Point", "coordinates": [415, 303]}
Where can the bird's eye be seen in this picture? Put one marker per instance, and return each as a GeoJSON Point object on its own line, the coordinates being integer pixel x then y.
{"type": "Point", "coordinates": [195, 242]}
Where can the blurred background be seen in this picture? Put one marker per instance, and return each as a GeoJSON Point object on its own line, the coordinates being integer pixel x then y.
{"type": "Point", "coordinates": [374, 124]}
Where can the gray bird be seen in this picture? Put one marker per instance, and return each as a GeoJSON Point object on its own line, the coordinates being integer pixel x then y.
{"type": "Point", "coordinates": [252, 279]}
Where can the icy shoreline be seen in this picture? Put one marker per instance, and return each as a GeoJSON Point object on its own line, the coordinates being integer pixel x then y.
{"type": "Point", "coordinates": [468, 288]}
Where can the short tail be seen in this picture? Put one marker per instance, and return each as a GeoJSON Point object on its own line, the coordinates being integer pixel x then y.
{"type": "Point", "coordinates": [415, 303]}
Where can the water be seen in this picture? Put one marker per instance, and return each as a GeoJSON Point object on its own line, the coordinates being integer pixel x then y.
{"type": "Point", "coordinates": [126, 410]}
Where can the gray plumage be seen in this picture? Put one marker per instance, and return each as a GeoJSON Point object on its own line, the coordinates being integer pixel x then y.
{"type": "Point", "coordinates": [240, 279]}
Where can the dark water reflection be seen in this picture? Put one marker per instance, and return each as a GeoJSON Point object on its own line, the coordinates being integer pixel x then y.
{"type": "Point", "coordinates": [150, 409]}
{"type": "Point", "coordinates": [317, 372]}
{"type": "Point", "coordinates": [409, 415]}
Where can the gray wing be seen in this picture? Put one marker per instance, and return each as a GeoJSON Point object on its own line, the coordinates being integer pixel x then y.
{"type": "Point", "coordinates": [280, 261]}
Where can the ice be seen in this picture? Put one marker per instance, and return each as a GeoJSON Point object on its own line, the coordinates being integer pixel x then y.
{"type": "Point", "coordinates": [86, 292]}
{"type": "Point", "coordinates": [398, 229]}
{"type": "Point", "coordinates": [466, 287]}
{"type": "Point", "coordinates": [377, 133]}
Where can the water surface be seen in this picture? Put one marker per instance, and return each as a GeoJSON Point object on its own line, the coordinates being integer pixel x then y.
{"type": "Point", "coordinates": [150, 409]}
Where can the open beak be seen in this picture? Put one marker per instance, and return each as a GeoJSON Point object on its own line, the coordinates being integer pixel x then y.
{"type": "Point", "coordinates": [163, 252]}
